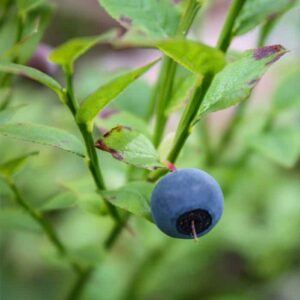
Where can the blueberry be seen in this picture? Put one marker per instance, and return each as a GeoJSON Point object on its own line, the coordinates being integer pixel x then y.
{"type": "Point", "coordinates": [187, 203]}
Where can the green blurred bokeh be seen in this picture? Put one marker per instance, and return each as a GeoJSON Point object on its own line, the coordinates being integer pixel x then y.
{"type": "Point", "coordinates": [252, 254]}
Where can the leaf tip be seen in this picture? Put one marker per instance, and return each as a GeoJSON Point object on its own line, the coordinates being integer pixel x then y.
{"type": "Point", "coordinates": [267, 51]}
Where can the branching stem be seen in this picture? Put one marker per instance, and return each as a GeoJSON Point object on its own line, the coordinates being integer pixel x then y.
{"type": "Point", "coordinates": [45, 225]}
{"type": "Point", "coordinates": [164, 88]}
{"type": "Point", "coordinates": [184, 127]}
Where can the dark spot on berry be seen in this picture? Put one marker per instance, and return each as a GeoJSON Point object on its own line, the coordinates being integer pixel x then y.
{"type": "Point", "coordinates": [202, 220]}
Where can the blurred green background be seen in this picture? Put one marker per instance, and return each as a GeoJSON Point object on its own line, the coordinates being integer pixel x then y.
{"type": "Point", "coordinates": [253, 253]}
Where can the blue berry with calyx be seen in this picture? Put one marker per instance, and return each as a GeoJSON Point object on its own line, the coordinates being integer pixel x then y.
{"type": "Point", "coordinates": [187, 203]}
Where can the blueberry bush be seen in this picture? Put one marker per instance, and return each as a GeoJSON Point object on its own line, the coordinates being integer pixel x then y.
{"type": "Point", "coordinates": [113, 180]}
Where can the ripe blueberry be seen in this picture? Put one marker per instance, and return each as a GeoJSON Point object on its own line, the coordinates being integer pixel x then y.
{"type": "Point", "coordinates": [187, 203]}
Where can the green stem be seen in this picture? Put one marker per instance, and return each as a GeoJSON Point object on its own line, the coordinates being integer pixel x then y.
{"type": "Point", "coordinates": [117, 229]}
{"type": "Point", "coordinates": [265, 31]}
{"type": "Point", "coordinates": [71, 100]}
{"type": "Point", "coordinates": [163, 92]}
{"type": "Point", "coordinates": [165, 85]}
{"type": "Point", "coordinates": [95, 170]}
{"type": "Point", "coordinates": [188, 17]}
{"type": "Point", "coordinates": [45, 225]}
{"type": "Point", "coordinates": [184, 127]}
{"type": "Point", "coordinates": [240, 111]}
{"type": "Point", "coordinates": [79, 284]}
{"type": "Point", "coordinates": [226, 34]}
{"type": "Point", "coordinates": [92, 161]}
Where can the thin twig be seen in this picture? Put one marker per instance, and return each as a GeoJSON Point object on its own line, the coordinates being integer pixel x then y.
{"type": "Point", "coordinates": [45, 225]}
{"type": "Point", "coordinates": [184, 127]}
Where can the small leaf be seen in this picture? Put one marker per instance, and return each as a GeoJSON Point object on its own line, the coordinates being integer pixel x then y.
{"type": "Point", "coordinates": [131, 147]}
{"type": "Point", "coordinates": [236, 81]}
{"type": "Point", "coordinates": [255, 12]}
{"type": "Point", "coordinates": [280, 145]}
{"type": "Point", "coordinates": [61, 201]}
{"type": "Point", "coordinates": [153, 18]}
{"type": "Point", "coordinates": [287, 94]}
{"type": "Point", "coordinates": [69, 52]}
{"type": "Point", "coordinates": [11, 167]}
{"type": "Point", "coordinates": [34, 75]}
{"type": "Point", "coordinates": [134, 198]}
{"type": "Point", "coordinates": [108, 92]}
{"type": "Point", "coordinates": [44, 135]}
{"type": "Point", "coordinates": [7, 114]}
{"type": "Point", "coordinates": [112, 118]}
{"type": "Point", "coordinates": [196, 57]}
{"type": "Point", "coordinates": [90, 202]}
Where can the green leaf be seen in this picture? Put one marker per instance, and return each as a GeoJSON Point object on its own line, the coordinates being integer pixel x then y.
{"type": "Point", "coordinates": [154, 18]}
{"type": "Point", "coordinates": [61, 201]}
{"type": "Point", "coordinates": [4, 93]}
{"type": "Point", "coordinates": [236, 81]}
{"type": "Point", "coordinates": [44, 135]}
{"type": "Point", "coordinates": [69, 52]}
{"type": "Point", "coordinates": [11, 167]}
{"type": "Point", "coordinates": [255, 12]}
{"type": "Point", "coordinates": [195, 56]}
{"type": "Point", "coordinates": [136, 99]}
{"type": "Point", "coordinates": [134, 198]}
{"type": "Point", "coordinates": [90, 202]}
{"type": "Point", "coordinates": [131, 147]}
{"type": "Point", "coordinates": [182, 92]}
{"type": "Point", "coordinates": [34, 75]}
{"type": "Point", "coordinates": [280, 145]}
{"type": "Point", "coordinates": [287, 95]}
{"type": "Point", "coordinates": [8, 32]}
{"type": "Point", "coordinates": [37, 21]}
{"type": "Point", "coordinates": [116, 117]}
{"type": "Point", "coordinates": [7, 114]}
{"type": "Point", "coordinates": [24, 6]}
{"type": "Point", "coordinates": [94, 103]}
